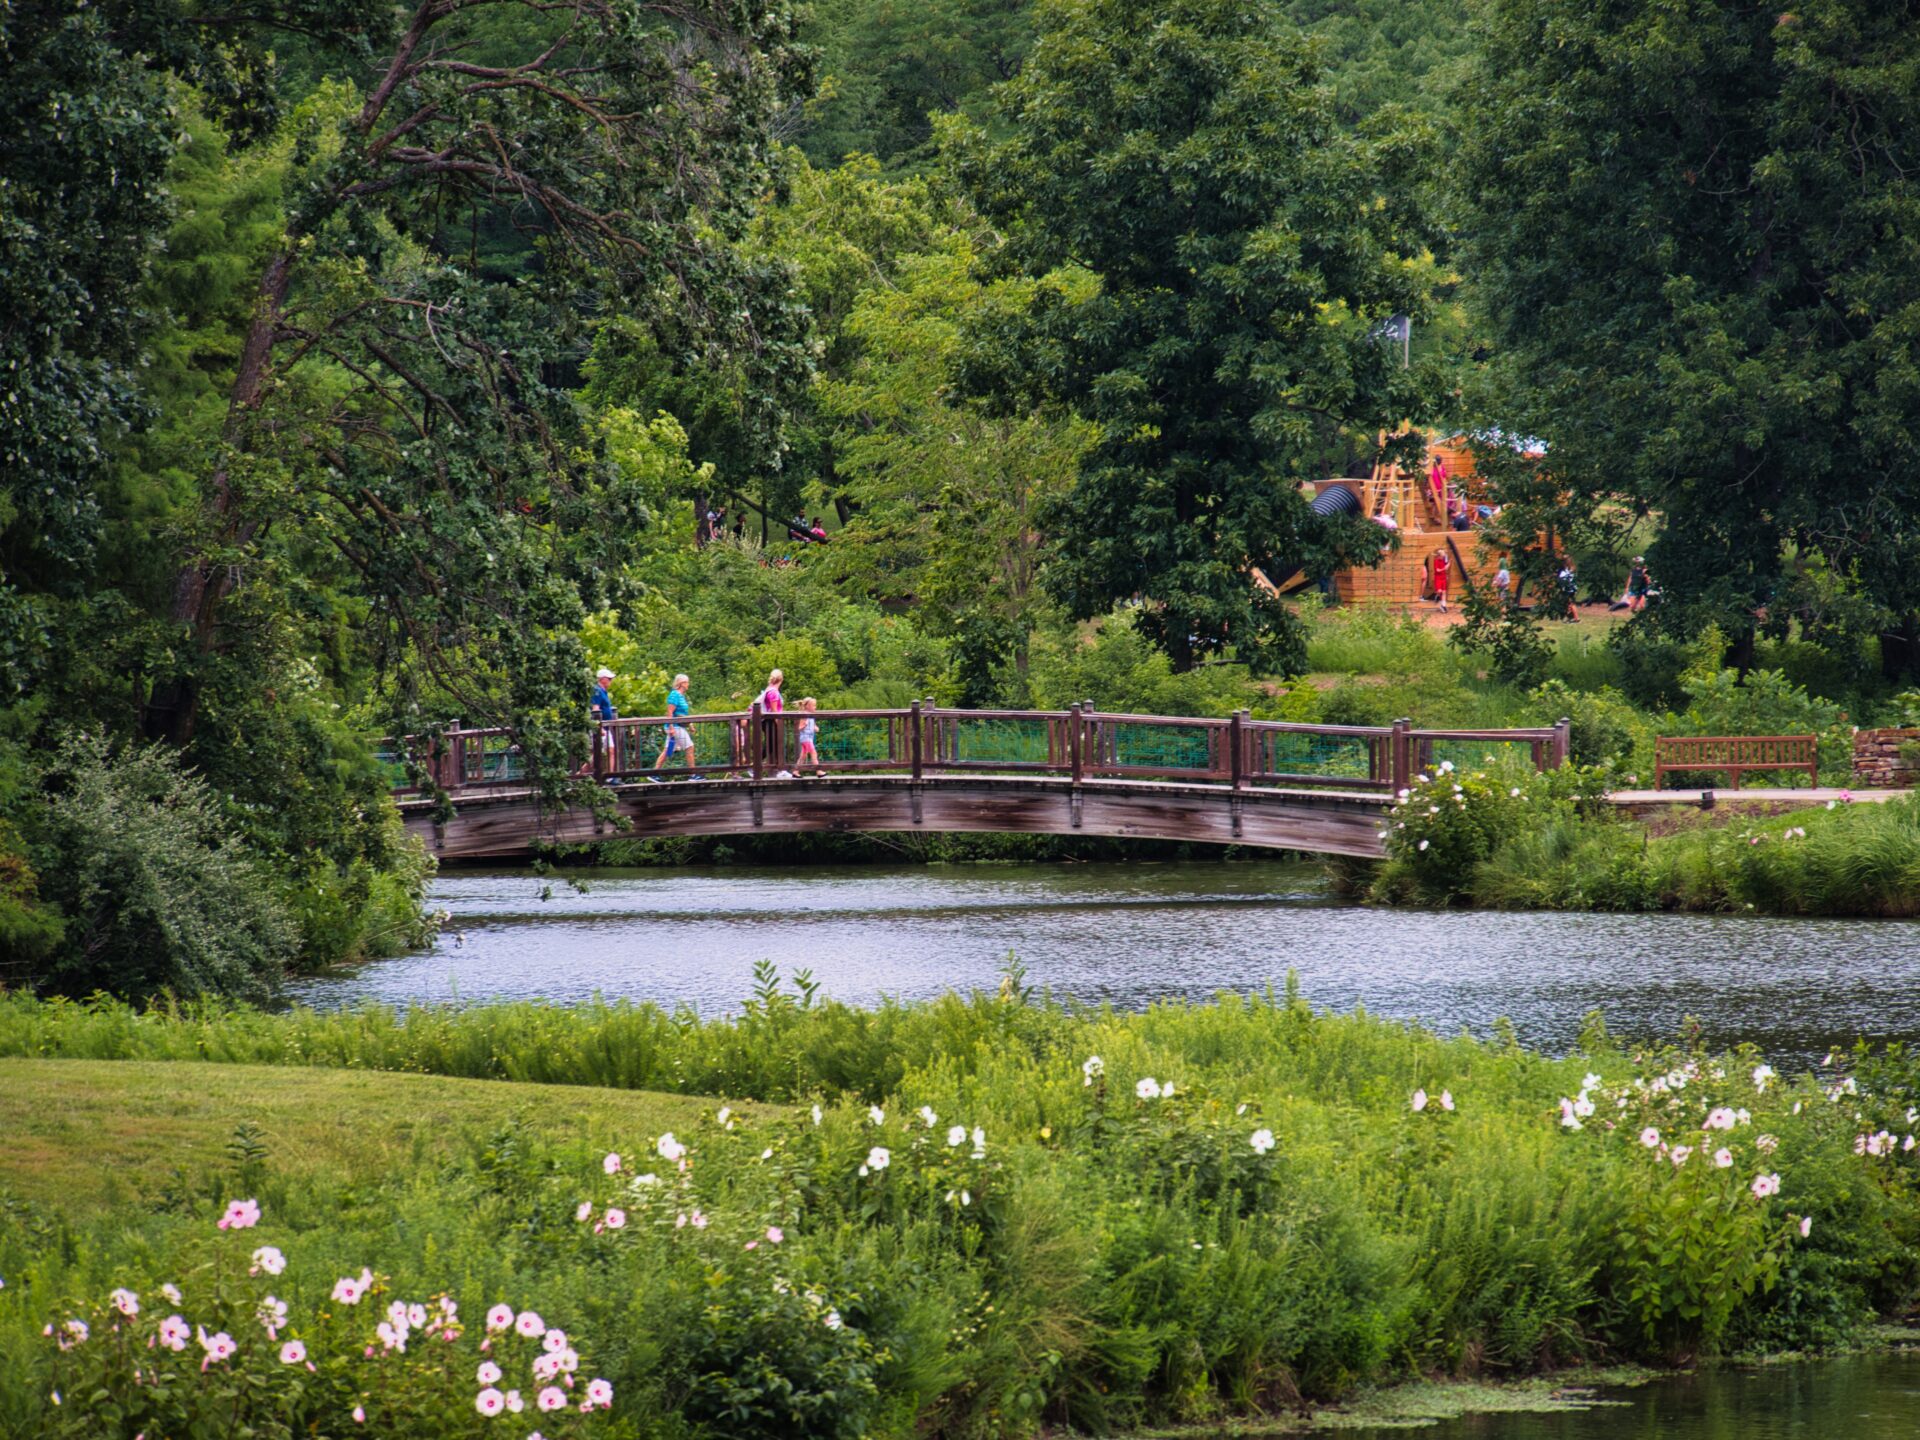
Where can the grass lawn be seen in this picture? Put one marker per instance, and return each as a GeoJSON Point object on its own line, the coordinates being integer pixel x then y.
{"type": "Point", "coordinates": [87, 1135]}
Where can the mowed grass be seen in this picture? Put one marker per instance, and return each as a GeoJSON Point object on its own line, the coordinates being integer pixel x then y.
{"type": "Point", "coordinates": [86, 1136]}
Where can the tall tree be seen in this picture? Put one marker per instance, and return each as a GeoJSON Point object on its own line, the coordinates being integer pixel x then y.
{"type": "Point", "coordinates": [1248, 251]}
{"type": "Point", "coordinates": [1695, 228]}
{"type": "Point", "coordinates": [408, 413]}
{"type": "Point", "coordinates": [87, 129]}
{"type": "Point", "coordinates": [948, 492]}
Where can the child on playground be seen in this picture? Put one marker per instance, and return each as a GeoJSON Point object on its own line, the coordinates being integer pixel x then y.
{"type": "Point", "coordinates": [809, 732]}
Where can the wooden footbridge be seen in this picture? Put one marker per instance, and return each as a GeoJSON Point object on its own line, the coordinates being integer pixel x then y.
{"type": "Point", "coordinates": [1079, 771]}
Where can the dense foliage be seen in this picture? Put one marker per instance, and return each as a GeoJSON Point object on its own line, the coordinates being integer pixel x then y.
{"type": "Point", "coordinates": [1002, 1215]}
{"type": "Point", "coordinates": [372, 369]}
{"type": "Point", "coordinates": [1691, 230]}
{"type": "Point", "coordinates": [1247, 253]}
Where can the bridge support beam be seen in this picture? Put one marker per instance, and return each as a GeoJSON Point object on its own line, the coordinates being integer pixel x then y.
{"type": "Point", "coordinates": [494, 826]}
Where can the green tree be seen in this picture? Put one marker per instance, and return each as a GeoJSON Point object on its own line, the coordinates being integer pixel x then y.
{"type": "Point", "coordinates": [405, 414]}
{"type": "Point", "coordinates": [888, 68]}
{"type": "Point", "coordinates": [158, 891]}
{"type": "Point", "coordinates": [948, 492]}
{"type": "Point", "coordinates": [1248, 251]}
{"type": "Point", "coordinates": [1695, 232]}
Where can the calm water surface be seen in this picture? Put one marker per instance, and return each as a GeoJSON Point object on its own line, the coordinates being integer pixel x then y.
{"type": "Point", "coordinates": [1130, 934]}
{"type": "Point", "coordinates": [1868, 1397]}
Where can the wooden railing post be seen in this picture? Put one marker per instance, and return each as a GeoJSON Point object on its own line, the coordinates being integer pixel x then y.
{"type": "Point", "coordinates": [1401, 744]}
{"type": "Point", "coordinates": [756, 740]}
{"type": "Point", "coordinates": [1090, 746]}
{"type": "Point", "coordinates": [600, 757]}
{"type": "Point", "coordinates": [1236, 739]}
{"type": "Point", "coordinates": [914, 760]}
{"type": "Point", "coordinates": [1076, 745]}
{"type": "Point", "coordinates": [1562, 741]}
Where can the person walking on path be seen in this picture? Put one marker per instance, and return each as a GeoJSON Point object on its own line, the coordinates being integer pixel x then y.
{"type": "Point", "coordinates": [1440, 578]}
{"type": "Point", "coordinates": [1569, 588]}
{"type": "Point", "coordinates": [1637, 585]}
{"type": "Point", "coordinates": [809, 732]}
{"type": "Point", "coordinates": [770, 707]}
{"type": "Point", "coordinates": [600, 705]}
{"type": "Point", "coordinates": [1503, 583]}
{"type": "Point", "coordinates": [679, 738]}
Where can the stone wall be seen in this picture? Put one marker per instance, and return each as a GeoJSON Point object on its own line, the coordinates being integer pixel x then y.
{"type": "Point", "coordinates": [1876, 759]}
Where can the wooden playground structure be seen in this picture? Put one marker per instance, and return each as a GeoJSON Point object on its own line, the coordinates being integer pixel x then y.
{"type": "Point", "coordinates": [1420, 519]}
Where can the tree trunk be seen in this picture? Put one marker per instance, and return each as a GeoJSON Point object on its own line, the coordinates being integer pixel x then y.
{"type": "Point", "coordinates": [1900, 650]}
{"type": "Point", "coordinates": [201, 584]}
{"type": "Point", "coordinates": [1741, 652]}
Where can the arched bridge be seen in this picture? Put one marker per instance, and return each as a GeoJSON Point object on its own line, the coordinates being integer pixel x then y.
{"type": "Point", "coordinates": [1079, 771]}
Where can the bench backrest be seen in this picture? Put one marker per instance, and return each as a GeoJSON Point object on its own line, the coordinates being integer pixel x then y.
{"type": "Point", "coordinates": [1759, 751]}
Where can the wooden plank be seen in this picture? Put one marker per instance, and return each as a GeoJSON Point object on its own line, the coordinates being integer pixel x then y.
{"type": "Point", "coordinates": [1332, 822]}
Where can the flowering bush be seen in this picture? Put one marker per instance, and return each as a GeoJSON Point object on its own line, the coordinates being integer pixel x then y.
{"type": "Point", "coordinates": [220, 1354]}
{"type": "Point", "coordinates": [1447, 822]}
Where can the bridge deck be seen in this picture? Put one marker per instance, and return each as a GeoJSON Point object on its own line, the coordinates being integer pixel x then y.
{"type": "Point", "coordinates": [496, 824]}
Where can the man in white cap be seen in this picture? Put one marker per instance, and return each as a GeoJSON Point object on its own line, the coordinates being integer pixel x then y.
{"type": "Point", "coordinates": [602, 701]}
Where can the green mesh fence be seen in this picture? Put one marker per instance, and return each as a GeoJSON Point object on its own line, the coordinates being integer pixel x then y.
{"type": "Point", "coordinates": [490, 760]}
{"type": "Point", "coordinates": [996, 741]}
{"type": "Point", "coordinates": [393, 767]}
{"type": "Point", "coordinates": [1337, 757]}
{"type": "Point", "coordinates": [1158, 747]}
{"type": "Point", "coordinates": [1480, 754]}
{"type": "Point", "coordinates": [848, 742]}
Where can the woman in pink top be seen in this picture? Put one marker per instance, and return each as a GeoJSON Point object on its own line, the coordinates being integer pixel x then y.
{"type": "Point", "coordinates": [770, 707]}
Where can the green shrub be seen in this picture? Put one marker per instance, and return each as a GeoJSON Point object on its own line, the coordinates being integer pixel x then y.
{"type": "Point", "coordinates": [1605, 727]}
{"type": "Point", "coordinates": [1444, 825]}
{"type": "Point", "coordinates": [158, 892]}
{"type": "Point", "coordinates": [1651, 664]}
{"type": "Point", "coordinates": [1115, 667]}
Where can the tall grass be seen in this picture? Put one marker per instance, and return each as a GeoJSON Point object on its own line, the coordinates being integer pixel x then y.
{"type": "Point", "coordinates": [1376, 640]}
{"type": "Point", "coordinates": [1286, 1225]}
{"type": "Point", "coordinates": [1585, 661]}
{"type": "Point", "coordinates": [1861, 859]}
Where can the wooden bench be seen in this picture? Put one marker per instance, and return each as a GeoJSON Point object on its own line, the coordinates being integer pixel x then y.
{"type": "Point", "coordinates": [1735, 755]}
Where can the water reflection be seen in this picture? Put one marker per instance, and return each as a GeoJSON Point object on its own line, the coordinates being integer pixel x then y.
{"type": "Point", "coordinates": [1130, 934]}
{"type": "Point", "coordinates": [1865, 1397]}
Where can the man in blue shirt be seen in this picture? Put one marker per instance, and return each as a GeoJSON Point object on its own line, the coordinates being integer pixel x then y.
{"type": "Point", "coordinates": [602, 701]}
{"type": "Point", "coordinates": [679, 737]}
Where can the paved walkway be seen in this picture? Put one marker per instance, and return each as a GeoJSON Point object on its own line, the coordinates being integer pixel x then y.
{"type": "Point", "coordinates": [1819, 795]}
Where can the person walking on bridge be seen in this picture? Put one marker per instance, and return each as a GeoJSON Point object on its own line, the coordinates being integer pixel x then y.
{"type": "Point", "coordinates": [679, 738]}
{"type": "Point", "coordinates": [770, 707]}
{"type": "Point", "coordinates": [601, 701]}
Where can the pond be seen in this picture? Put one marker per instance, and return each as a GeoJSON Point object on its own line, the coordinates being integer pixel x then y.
{"type": "Point", "coordinates": [1129, 934]}
{"type": "Point", "coordinates": [1857, 1397]}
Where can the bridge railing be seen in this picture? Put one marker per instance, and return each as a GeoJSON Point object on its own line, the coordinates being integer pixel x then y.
{"type": "Point", "coordinates": [1080, 742]}
{"type": "Point", "coordinates": [1546, 746]}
